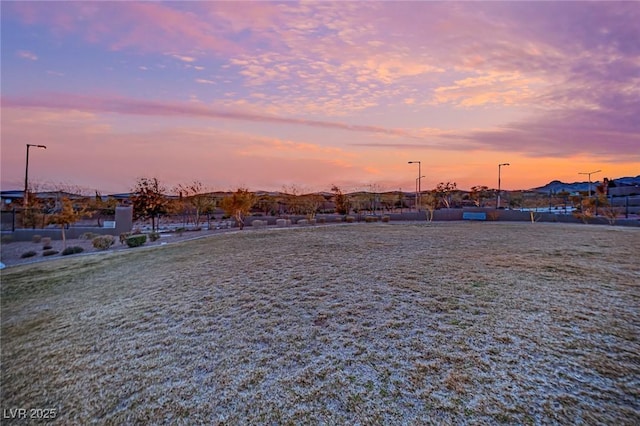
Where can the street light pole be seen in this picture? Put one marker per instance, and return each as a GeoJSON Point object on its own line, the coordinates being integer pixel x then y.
{"type": "Point", "coordinates": [419, 189]}
{"type": "Point", "coordinates": [589, 173]}
{"type": "Point", "coordinates": [26, 175]}
{"type": "Point", "coordinates": [499, 170]}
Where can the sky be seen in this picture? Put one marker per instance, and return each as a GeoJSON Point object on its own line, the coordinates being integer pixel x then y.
{"type": "Point", "coordinates": [272, 95]}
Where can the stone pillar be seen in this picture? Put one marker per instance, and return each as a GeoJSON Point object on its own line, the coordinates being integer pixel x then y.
{"type": "Point", "coordinates": [124, 219]}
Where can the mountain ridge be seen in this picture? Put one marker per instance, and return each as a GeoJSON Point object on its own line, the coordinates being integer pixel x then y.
{"type": "Point", "coordinates": [559, 186]}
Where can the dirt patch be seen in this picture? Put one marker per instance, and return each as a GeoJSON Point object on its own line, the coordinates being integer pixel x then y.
{"type": "Point", "coordinates": [10, 253]}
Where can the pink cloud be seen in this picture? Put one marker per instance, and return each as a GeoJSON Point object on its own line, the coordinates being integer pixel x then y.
{"type": "Point", "coordinates": [24, 54]}
{"type": "Point", "coordinates": [177, 109]}
{"type": "Point", "coordinates": [83, 149]}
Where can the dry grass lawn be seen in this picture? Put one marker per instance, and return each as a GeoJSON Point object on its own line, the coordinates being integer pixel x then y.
{"type": "Point", "coordinates": [443, 323]}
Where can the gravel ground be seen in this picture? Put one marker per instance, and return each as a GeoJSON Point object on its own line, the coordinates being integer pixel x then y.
{"type": "Point", "coordinates": [10, 253]}
{"type": "Point", "coordinates": [447, 323]}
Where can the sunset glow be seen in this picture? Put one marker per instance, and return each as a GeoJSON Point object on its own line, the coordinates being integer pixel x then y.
{"type": "Point", "coordinates": [273, 94]}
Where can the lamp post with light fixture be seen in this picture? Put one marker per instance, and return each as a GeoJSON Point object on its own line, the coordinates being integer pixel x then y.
{"type": "Point", "coordinates": [499, 171]}
{"type": "Point", "coordinates": [26, 175]}
{"type": "Point", "coordinates": [589, 173]}
{"type": "Point", "coordinates": [419, 186]}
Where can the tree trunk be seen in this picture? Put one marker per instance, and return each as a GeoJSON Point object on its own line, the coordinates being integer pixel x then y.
{"type": "Point", "coordinates": [240, 220]}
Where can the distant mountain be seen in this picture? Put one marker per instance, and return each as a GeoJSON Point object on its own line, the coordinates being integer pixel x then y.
{"type": "Point", "coordinates": [556, 186]}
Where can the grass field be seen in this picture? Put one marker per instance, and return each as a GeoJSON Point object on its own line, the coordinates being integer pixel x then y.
{"type": "Point", "coordinates": [442, 323]}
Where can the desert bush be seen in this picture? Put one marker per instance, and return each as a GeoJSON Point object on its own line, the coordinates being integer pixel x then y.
{"type": "Point", "coordinates": [88, 236]}
{"type": "Point", "coordinates": [26, 254]}
{"type": "Point", "coordinates": [49, 252]}
{"type": "Point", "coordinates": [386, 219]}
{"type": "Point", "coordinates": [611, 214]}
{"type": "Point", "coordinates": [36, 238]}
{"type": "Point", "coordinates": [72, 250]}
{"type": "Point", "coordinates": [6, 239]}
{"type": "Point", "coordinates": [103, 242]}
{"type": "Point", "coordinates": [136, 240]}
{"type": "Point", "coordinates": [154, 236]}
{"type": "Point", "coordinates": [46, 243]}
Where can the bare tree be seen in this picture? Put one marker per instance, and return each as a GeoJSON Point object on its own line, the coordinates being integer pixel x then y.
{"type": "Point", "coordinates": [196, 196]}
{"type": "Point", "coordinates": [343, 206]}
{"type": "Point", "coordinates": [444, 192]}
{"type": "Point", "coordinates": [149, 201]}
{"type": "Point", "coordinates": [64, 217]}
{"type": "Point", "coordinates": [310, 203]}
{"type": "Point", "coordinates": [430, 202]}
{"type": "Point", "coordinates": [478, 194]}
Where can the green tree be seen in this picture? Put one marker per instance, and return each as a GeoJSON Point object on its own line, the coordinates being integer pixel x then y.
{"type": "Point", "coordinates": [149, 201]}
{"type": "Point", "coordinates": [238, 205]}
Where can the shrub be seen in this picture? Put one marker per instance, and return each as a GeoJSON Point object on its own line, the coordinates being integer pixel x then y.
{"type": "Point", "coordinates": [36, 238]}
{"type": "Point", "coordinates": [124, 236]}
{"type": "Point", "coordinates": [350, 219]}
{"type": "Point", "coordinates": [136, 240]}
{"type": "Point", "coordinates": [103, 242]}
{"type": "Point", "coordinates": [322, 220]}
{"type": "Point", "coordinates": [72, 250]}
{"type": "Point", "coordinates": [6, 239]}
{"type": "Point", "coordinates": [154, 236]}
{"type": "Point", "coordinates": [386, 219]}
{"type": "Point", "coordinates": [88, 236]}
{"type": "Point", "coordinates": [370, 219]}
{"type": "Point", "coordinates": [49, 252]}
{"type": "Point", "coordinates": [26, 254]}
{"type": "Point", "coordinates": [180, 231]}
{"type": "Point", "coordinates": [283, 222]}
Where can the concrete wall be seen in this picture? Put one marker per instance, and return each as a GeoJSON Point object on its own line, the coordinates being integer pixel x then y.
{"type": "Point", "coordinates": [124, 223]}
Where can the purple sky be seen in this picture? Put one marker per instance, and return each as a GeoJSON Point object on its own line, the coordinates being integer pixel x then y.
{"type": "Point", "coordinates": [273, 94]}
